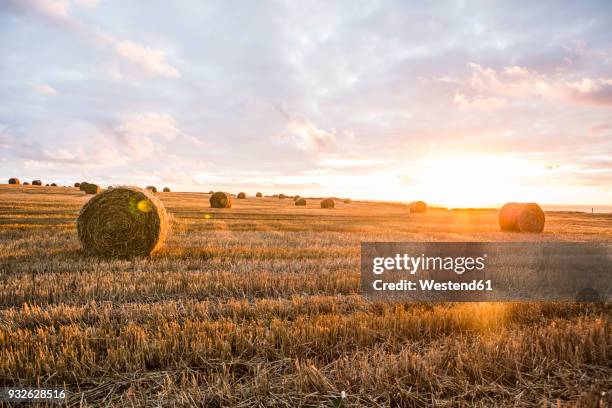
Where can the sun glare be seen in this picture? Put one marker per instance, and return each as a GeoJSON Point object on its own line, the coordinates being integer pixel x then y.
{"type": "Point", "coordinates": [473, 181]}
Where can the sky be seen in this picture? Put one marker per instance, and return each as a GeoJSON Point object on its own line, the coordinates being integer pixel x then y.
{"type": "Point", "coordinates": [456, 103]}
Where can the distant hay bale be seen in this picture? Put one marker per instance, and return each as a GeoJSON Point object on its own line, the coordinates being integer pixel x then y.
{"type": "Point", "coordinates": [220, 200]}
{"type": "Point", "coordinates": [53, 184]}
{"type": "Point", "coordinates": [166, 189]}
{"type": "Point", "coordinates": [523, 217]}
{"type": "Point", "coordinates": [83, 185]}
{"type": "Point", "coordinates": [328, 203]}
{"type": "Point", "coordinates": [418, 207]}
{"type": "Point", "coordinates": [300, 201]}
{"type": "Point", "coordinates": [241, 195]}
{"type": "Point", "coordinates": [77, 184]}
{"type": "Point", "coordinates": [26, 184]}
{"type": "Point", "coordinates": [347, 201]}
{"type": "Point", "coordinates": [258, 194]}
{"type": "Point", "coordinates": [282, 196]}
{"type": "Point", "coordinates": [91, 188]}
{"type": "Point", "coordinates": [296, 197]}
{"type": "Point", "coordinates": [36, 183]}
{"type": "Point", "coordinates": [122, 222]}
{"type": "Point", "coordinates": [14, 180]}
{"type": "Point", "coordinates": [152, 188]}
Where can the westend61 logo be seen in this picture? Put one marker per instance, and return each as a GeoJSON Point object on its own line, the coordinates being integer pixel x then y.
{"type": "Point", "coordinates": [486, 271]}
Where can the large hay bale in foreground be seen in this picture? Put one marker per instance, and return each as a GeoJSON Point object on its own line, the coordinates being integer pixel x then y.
{"type": "Point", "coordinates": [91, 188]}
{"type": "Point", "coordinates": [166, 189]}
{"type": "Point", "coordinates": [124, 221]}
{"type": "Point", "coordinates": [241, 195]}
{"type": "Point", "coordinates": [418, 207]}
{"type": "Point", "coordinates": [36, 183]}
{"type": "Point", "coordinates": [300, 201]}
{"type": "Point", "coordinates": [152, 188]}
{"type": "Point", "coordinates": [14, 180]}
{"type": "Point", "coordinates": [328, 203]}
{"type": "Point", "coordinates": [523, 217]}
{"type": "Point", "coordinates": [220, 200]}
{"type": "Point", "coordinates": [258, 194]}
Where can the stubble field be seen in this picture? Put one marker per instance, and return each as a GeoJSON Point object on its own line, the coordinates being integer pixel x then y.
{"type": "Point", "coordinates": [259, 305]}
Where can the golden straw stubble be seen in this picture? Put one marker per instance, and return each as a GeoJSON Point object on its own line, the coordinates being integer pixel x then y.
{"type": "Point", "coordinates": [122, 222]}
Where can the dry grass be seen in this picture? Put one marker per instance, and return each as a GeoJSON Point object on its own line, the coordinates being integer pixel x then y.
{"type": "Point", "coordinates": [259, 305]}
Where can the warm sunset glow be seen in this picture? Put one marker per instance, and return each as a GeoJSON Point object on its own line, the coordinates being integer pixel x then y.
{"type": "Point", "coordinates": [380, 101]}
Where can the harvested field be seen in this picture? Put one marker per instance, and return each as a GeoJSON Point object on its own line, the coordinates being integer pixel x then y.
{"type": "Point", "coordinates": [259, 305]}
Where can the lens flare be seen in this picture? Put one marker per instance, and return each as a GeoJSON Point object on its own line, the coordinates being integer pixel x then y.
{"type": "Point", "coordinates": [144, 206]}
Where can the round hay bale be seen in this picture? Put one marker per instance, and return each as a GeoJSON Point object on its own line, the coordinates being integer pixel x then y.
{"type": "Point", "coordinates": [123, 222]}
{"type": "Point", "coordinates": [523, 217]}
{"type": "Point", "coordinates": [83, 185]}
{"type": "Point", "coordinates": [36, 183]}
{"type": "Point", "coordinates": [241, 195]}
{"type": "Point", "coordinates": [418, 207]}
{"type": "Point", "coordinates": [166, 189]}
{"type": "Point", "coordinates": [328, 203]}
{"type": "Point", "coordinates": [26, 184]}
{"type": "Point", "coordinates": [53, 184]}
{"type": "Point", "coordinates": [92, 188]}
{"type": "Point", "coordinates": [347, 201]}
{"type": "Point", "coordinates": [152, 188]}
{"type": "Point", "coordinates": [300, 201]}
{"type": "Point", "coordinates": [77, 184]}
{"type": "Point", "coordinates": [220, 200]}
{"type": "Point", "coordinates": [14, 180]}
{"type": "Point", "coordinates": [282, 196]}
{"type": "Point", "coordinates": [211, 192]}
{"type": "Point", "coordinates": [258, 194]}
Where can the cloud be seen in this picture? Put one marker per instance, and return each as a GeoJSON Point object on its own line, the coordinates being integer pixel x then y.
{"type": "Point", "coordinates": [492, 88]}
{"type": "Point", "coordinates": [355, 163]}
{"type": "Point", "coordinates": [136, 133]}
{"type": "Point", "coordinates": [151, 61]}
{"type": "Point", "coordinates": [149, 124]}
{"type": "Point", "coordinates": [309, 137]}
{"type": "Point", "coordinates": [479, 102]}
{"type": "Point", "coordinates": [592, 91]}
{"type": "Point", "coordinates": [45, 90]}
